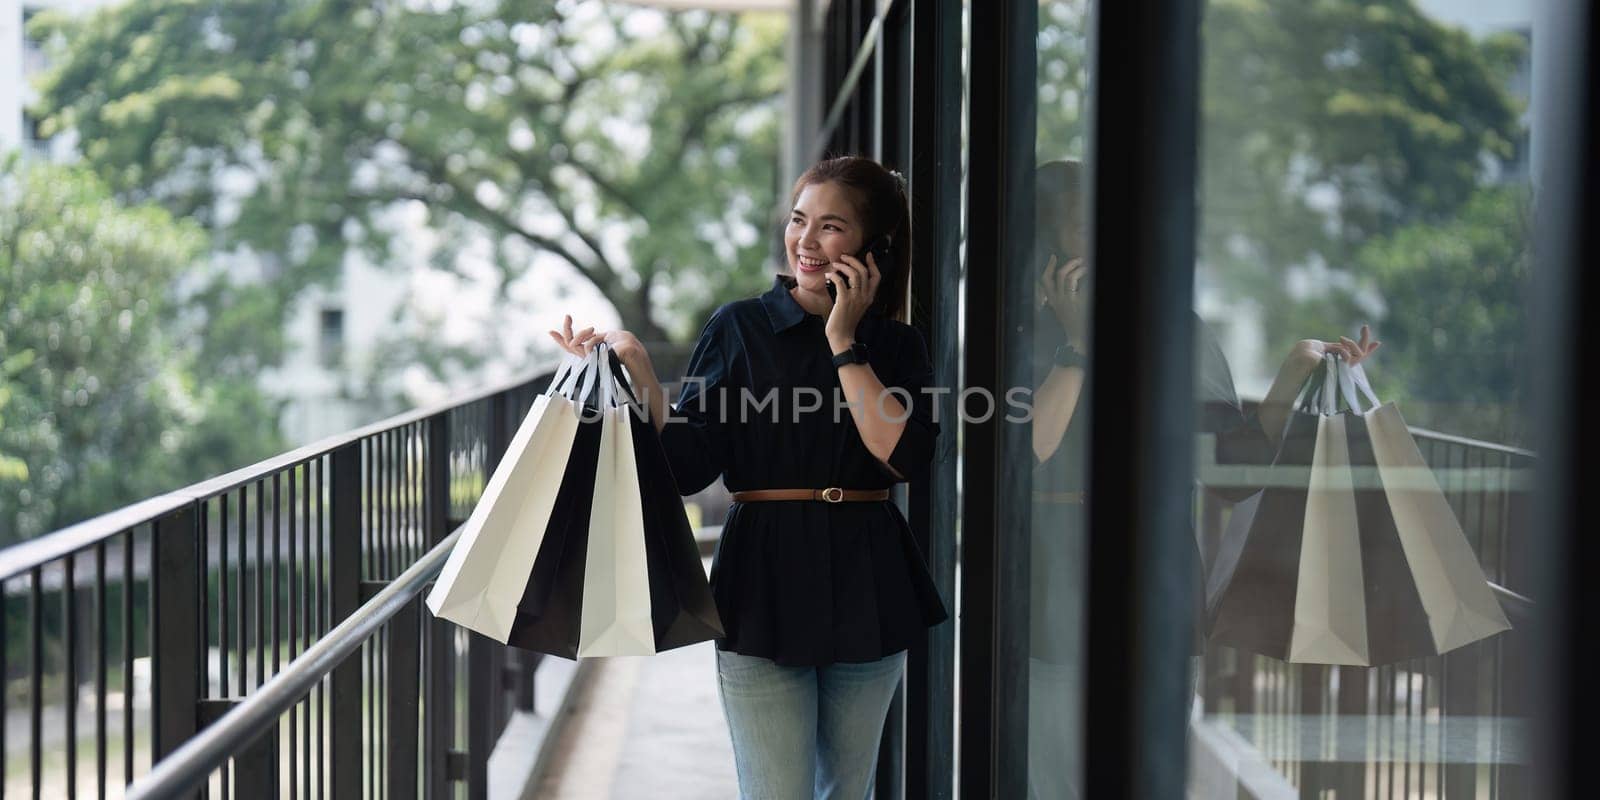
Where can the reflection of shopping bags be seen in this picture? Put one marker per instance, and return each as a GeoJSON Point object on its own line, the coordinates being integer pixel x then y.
{"type": "Point", "coordinates": [484, 576]}
{"type": "Point", "coordinates": [1352, 556]}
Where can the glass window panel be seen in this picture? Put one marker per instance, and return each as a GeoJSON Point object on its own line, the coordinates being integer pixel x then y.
{"type": "Point", "coordinates": [1362, 164]}
{"type": "Point", "coordinates": [1058, 446]}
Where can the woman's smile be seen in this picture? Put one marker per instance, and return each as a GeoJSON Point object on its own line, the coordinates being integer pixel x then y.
{"type": "Point", "coordinates": [823, 224]}
{"type": "Point", "coordinates": [810, 263]}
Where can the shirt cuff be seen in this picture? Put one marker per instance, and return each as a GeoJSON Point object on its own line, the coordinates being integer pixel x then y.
{"type": "Point", "coordinates": [913, 453]}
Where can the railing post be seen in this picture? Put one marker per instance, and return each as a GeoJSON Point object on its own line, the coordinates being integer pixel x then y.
{"type": "Point", "coordinates": [1458, 696]}
{"type": "Point", "coordinates": [1313, 693]}
{"type": "Point", "coordinates": [344, 575]}
{"type": "Point", "coordinates": [404, 683]}
{"type": "Point", "coordinates": [483, 685]}
{"type": "Point", "coordinates": [177, 635]}
{"type": "Point", "coordinates": [441, 666]}
{"type": "Point", "coordinates": [527, 672]}
{"type": "Point", "coordinates": [485, 656]}
{"type": "Point", "coordinates": [255, 773]}
{"type": "Point", "coordinates": [255, 768]}
{"type": "Point", "coordinates": [1351, 777]}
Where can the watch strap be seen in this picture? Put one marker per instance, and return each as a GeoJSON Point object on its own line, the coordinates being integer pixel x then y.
{"type": "Point", "coordinates": [1068, 356]}
{"type": "Point", "coordinates": [856, 353]}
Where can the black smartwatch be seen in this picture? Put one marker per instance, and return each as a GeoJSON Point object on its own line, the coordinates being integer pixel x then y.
{"type": "Point", "coordinates": [856, 354]}
{"type": "Point", "coordinates": [1068, 356]}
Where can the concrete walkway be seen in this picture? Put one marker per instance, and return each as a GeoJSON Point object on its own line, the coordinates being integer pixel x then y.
{"type": "Point", "coordinates": [645, 727]}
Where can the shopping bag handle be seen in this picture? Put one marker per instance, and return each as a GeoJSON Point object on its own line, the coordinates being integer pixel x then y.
{"type": "Point", "coordinates": [622, 383]}
{"type": "Point", "coordinates": [1351, 378]}
{"type": "Point", "coordinates": [591, 369]}
{"type": "Point", "coordinates": [574, 370]}
{"type": "Point", "coordinates": [1323, 390]}
{"type": "Point", "coordinates": [579, 376]}
{"type": "Point", "coordinates": [614, 389]}
{"type": "Point", "coordinates": [565, 374]}
{"type": "Point", "coordinates": [1359, 376]}
{"type": "Point", "coordinates": [1309, 399]}
{"type": "Point", "coordinates": [608, 395]}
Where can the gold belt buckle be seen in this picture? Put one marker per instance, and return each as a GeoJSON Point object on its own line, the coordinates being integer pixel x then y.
{"type": "Point", "coordinates": [836, 497]}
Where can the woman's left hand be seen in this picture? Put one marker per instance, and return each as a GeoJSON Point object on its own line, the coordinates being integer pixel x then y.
{"type": "Point", "coordinates": [853, 299]}
{"type": "Point", "coordinates": [1309, 352]}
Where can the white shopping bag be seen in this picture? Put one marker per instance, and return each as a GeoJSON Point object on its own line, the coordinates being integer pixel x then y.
{"type": "Point", "coordinates": [1461, 607]}
{"type": "Point", "coordinates": [483, 579]}
{"type": "Point", "coordinates": [616, 617]}
{"type": "Point", "coordinates": [1330, 611]}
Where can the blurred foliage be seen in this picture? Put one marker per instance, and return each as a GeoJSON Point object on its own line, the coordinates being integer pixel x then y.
{"type": "Point", "coordinates": [638, 146]}
{"type": "Point", "coordinates": [1351, 166]}
{"type": "Point", "coordinates": [1455, 350]}
{"type": "Point", "coordinates": [1332, 127]}
{"type": "Point", "coordinates": [1063, 79]}
{"type": "Point", "coordinates": [100, 405]}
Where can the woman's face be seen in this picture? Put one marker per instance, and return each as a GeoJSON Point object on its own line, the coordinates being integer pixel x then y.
{"type": "Point", "coordinates": [823, 225]}
{"type": "Point", "coordinates": [1063, 238]}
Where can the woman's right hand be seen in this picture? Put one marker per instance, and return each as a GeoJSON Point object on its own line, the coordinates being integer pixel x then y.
{"type": "Point", "coordinates": [1061, 287]}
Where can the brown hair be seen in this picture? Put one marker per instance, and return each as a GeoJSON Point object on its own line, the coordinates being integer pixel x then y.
{"type": "Point", "coordinates": [1058, 203]}
{"type": "Point", "coordinates": [885, 211]}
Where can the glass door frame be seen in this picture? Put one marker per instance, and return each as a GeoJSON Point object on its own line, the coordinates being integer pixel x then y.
{"type": "Point", "coordinates": [892, 87]}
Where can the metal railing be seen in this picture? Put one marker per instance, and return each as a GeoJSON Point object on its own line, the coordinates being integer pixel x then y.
{"type": "Point", "coordinates": [126, 635]}
{"type": "Point", "coordinates": [240, 731]}
{"type": "Point", "coordinates": [1443, 726]}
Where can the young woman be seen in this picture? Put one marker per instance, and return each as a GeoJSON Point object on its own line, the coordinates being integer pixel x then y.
{"type": "Point", "coordinates": [809, 407]}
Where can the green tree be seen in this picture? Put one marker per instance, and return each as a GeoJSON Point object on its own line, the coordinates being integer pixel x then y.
{"type": "Point", "coordinates": [638, 146]}
{"type": "Point", "coordinates": [1455, 345]}
{"type": "Point", "coordinates": [99, 406]}
{"type": "Point", "coordinates": [1063, 80]}
{"type": "Point", "coordinates": [1330, 126]}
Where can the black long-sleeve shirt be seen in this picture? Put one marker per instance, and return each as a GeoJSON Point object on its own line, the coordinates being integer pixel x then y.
{"type": "Point", "coordinates": [805, 582]}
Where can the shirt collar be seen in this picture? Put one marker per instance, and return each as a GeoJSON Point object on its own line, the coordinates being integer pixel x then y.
{"type": "Point", "coordinates": [783, 310]}
{"type": "Point", "coordinates": [781, 306]}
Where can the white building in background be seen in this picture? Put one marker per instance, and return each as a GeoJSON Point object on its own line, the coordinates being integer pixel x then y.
{"type": "Point", "coordinates": [332, 335]}
{"type": "Point", "coordinates": [11, 47]}
{"type": "Point", "coordinates": [21, 60]}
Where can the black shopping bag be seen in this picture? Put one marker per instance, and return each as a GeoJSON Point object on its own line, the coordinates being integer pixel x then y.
{"type": "Point", "coordinates": [681, 606]}
{"type": "Point", "coordinates": [548, 616]}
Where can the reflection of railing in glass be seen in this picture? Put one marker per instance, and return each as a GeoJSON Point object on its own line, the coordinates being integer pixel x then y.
{"type": "Point", "coordinates": [1440, 726]}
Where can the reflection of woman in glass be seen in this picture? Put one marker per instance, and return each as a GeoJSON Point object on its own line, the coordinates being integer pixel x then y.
{"type": "Point", "coordinates": [1060, 451]}
{"type": "Point", "coordinates": [820, 596]}
{"type": "Point", "coordinates": [1058, 547]}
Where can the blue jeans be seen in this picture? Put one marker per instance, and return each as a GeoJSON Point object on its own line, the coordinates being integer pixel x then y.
{"type": "Point", "coordinates": [806, 732]}
{"type": "Point", "coordinates": [1055, 730]}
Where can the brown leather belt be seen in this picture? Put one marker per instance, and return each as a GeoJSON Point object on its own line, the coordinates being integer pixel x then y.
{"type": "Point", "coordinates": [832, 494]}
{"type": "Point", "coordinates": [1068, 498]}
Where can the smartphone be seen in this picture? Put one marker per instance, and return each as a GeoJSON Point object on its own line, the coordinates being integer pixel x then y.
{"type": "Point", "coordinates": [879, 248]}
